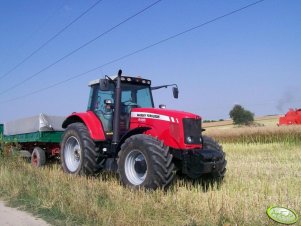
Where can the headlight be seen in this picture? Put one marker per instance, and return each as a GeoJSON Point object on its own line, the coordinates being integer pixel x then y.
{"type": "Point", "coordinates": [189, 139]}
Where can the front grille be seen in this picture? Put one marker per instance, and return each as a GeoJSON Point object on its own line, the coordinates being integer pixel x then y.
{"type": "Point", "coordinates": [192, 129]}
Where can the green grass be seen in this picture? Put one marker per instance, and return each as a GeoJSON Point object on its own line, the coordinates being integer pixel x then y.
{"type": "Point", "coordinates": [259, 175]}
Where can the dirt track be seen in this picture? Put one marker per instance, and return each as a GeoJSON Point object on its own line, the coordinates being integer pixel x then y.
{"type": "Point", "coordinates": [14, 217]}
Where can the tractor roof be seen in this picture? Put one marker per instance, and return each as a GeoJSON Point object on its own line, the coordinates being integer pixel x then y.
{"type": "Point", "coordinates": [126, 79]}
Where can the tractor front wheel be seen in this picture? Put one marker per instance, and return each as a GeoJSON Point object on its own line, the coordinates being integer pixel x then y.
{"type": "Point", "coordinates": [144, 162]}
{"type": "Point", "coordinates": [211, 144]}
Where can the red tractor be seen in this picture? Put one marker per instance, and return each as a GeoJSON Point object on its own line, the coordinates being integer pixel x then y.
{"type": "Point", "coordinates": [292, 117]}
{"type": "Point", "coordinates": [122, 131]}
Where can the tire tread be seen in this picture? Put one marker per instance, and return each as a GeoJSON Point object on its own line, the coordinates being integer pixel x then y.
{"type": "Point", "coordinates": [161, 160]}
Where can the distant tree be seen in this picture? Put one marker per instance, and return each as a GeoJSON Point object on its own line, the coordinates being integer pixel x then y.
{"type": "Point", "coordinates": [207, 121]}
{"type": "Point", "coordinates": [240, 116]}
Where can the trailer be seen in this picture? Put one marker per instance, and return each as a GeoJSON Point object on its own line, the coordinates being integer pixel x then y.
{"type": "Point", "coordinates": [38, 136]}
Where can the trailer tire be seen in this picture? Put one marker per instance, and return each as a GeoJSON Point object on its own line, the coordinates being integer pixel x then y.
{"type": "Point", "coordinates": [38, 157]}
{"type": "Point", "coordinates": [79, 153]}
{"type": "Point", "coordinates": [145, 162]}
{"type": "Point", "coordinates": [210, 143]}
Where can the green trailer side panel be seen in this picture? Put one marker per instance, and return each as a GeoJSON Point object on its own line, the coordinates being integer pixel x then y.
{"type": "Point", "coordinates": [1, 129]}
{"type": "Point", "coordinates": [43, 137]}
{"type": "Point", "coordinates": [1, 135]}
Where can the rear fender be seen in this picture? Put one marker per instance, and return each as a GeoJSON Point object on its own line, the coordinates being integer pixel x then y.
{"type": "Point", "coordinates": [91, 121]}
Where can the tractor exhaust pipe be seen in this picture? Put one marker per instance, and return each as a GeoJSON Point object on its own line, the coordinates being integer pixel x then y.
{"type": "Point", "coordinates": [116, 121]}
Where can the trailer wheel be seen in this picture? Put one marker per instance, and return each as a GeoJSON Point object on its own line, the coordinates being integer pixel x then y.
{"type": "Point", "coordinates": [145, 162]}
{"type": "Point", "coordinates": [38, 157]}
{"type": "Point", "coordinates": [79, 153]}
{"type": "Point", "coordinates": [209, 143]}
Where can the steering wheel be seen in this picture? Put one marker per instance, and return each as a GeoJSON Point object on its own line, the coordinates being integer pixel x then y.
{"type": "Point", "coordinates": [130, 103]}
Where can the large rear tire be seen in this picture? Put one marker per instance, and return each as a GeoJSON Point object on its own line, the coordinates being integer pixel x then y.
{"type": "Point", "coordinates": [79, 153]}
{"type": "Point", "coordinates": [144, 162]}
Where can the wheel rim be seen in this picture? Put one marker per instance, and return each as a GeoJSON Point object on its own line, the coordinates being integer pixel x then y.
{"type": "Point", "coordinates": [135, 167]}
{"type": "Point", "coordinates": [72, 154]}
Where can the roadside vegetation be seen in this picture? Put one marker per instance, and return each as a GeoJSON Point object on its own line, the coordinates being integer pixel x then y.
{"type": "Point", "coordinates": [260, 172]}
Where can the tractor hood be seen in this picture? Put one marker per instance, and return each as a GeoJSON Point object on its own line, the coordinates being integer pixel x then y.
{"type": "Point", "coordinates": [177, 129]}
{"type": "Point", "coordinates": [162, 114]}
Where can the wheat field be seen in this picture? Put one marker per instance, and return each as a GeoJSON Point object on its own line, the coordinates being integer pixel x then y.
{"type": "Point", "coordinates": [258, 135]}
{"type": "Point", "coordinates": [258, 175]}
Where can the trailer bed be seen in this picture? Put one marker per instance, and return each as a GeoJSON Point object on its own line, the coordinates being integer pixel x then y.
{"type": "Point", "coordinates": [38, 137]}
{"type": "Point", "coordinates": [35, 137]}
{"type": "Point", "coordinates": [36, 129]}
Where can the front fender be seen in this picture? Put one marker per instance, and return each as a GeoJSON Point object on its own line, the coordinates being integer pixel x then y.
{"type": "Point", "coordinates": [91, 121]}
{"type": "Point", "coordinates": [138, 130]}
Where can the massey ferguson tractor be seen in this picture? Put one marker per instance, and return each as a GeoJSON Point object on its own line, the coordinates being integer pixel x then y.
{"type": "Point", "coordinates": [123, 131]}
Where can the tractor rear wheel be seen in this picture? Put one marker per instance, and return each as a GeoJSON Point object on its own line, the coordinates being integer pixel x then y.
{"type": "Point", "coordinates": [79, 153]}
{"type": "Point", "coordinates": [144, 162]}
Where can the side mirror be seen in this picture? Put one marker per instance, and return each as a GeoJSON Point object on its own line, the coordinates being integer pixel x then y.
{"type": "Point", "coordinates": [175, 92]}
{"type": "Point", "coordinates": [104, 85]}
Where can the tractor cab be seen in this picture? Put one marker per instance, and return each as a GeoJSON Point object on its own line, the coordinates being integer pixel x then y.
{"type": "Point", "coordinates": [135, 93]}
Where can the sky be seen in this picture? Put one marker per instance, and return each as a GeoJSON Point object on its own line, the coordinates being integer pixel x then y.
{"type": "Point", "coordinates": [251, 58]}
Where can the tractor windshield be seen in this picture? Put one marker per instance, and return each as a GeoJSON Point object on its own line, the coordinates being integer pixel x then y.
{"type": "Point", "coordinates": [136, 96]}
{"type": "Point", "coordinates": [133, 96]}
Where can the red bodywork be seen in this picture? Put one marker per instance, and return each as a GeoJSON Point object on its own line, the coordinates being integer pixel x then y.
{"type": "Point", "coordinates": [92, 122]}
{"type": "Point", "coordinates": [166, 125]}
{"type": "Point", "coordinates": [292, 117]}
